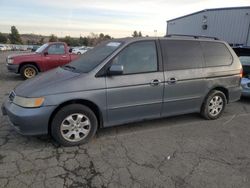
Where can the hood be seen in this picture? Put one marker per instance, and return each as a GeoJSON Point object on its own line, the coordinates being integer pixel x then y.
{"type": "Point", "coordinates": [23, 55]}
{"type": "Point", "coordinates": [48, 83]}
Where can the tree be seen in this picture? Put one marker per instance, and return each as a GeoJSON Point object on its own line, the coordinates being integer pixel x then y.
{"type": "Point", "coordinates": [3, 38]}
{"type": "Point", "coordinates": [14, 36]}
{"type": "Point", "coordinates": [101, 35]}
{"type": "Point", "coordinates": [83, 41]}
{"type": "Point", "coordinates": [107, 37]}
{"type": "Point", "coordinates": [41, 41]}
{"type": "Point", "coordinates": [137, 34]}
{"type": "Point", "coordinates": [53, 38]}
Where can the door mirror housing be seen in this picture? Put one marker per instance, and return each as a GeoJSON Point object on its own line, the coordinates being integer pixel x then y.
{"type": "Point", "coordinates": [115, 70]}
{"type": "Point", "coordinates": [45, 53]}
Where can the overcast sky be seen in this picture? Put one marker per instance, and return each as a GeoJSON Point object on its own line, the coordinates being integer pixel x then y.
{"type": "Point", "coordinates": [119, 18]}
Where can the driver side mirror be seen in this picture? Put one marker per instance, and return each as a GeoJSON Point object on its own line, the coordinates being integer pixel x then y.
{"type": "Point", "coordinates": [46, 53]}
{"type": "Point", "coordinates": [115, 70]}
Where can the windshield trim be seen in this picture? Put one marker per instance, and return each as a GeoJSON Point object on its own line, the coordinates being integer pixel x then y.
{"type": "Point", "coordinates": [43, 47]}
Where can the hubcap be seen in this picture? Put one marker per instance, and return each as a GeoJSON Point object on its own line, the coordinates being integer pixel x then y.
{"type": "Point", "coordinates": [215, 105]}
{"type": "Point", "coordinates": [75, 127]}
{"type": "Point", "coordinates": [29, 72]}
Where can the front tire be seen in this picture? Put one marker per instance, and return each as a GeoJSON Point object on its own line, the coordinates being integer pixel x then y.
{"type": "Point", "coordinates": [214, 105]}
{"type": "Point", "coordinates": [28, 71]}
{"type": "Point", "coordinates": [73, 125]}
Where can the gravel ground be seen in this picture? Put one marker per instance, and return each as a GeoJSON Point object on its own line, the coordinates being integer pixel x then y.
{"type": "Point", "coordinates": [183, 151]}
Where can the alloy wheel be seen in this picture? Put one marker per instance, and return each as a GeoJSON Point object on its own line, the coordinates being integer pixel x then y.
{"type": "Point", "coordinates": [75, 127]}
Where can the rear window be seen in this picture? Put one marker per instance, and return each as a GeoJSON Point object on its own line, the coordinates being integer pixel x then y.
{"type": "Point", "coordinates": [245, 60]}
{"type": "Point", "coordinates": [216, 54]}
{"type": "Point", "coordinates": [181, 54]}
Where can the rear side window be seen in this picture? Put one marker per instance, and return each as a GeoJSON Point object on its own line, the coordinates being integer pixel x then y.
{"type": "Point", "coordinates": [216, 54]}
{"type": "Point", "coordinates": [181, 54]}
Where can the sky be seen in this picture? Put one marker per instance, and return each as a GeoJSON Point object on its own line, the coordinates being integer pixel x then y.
{"type": "Point", "coordinates": [118, 18]}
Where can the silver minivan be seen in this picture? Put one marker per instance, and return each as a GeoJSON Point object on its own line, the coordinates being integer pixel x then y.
{"type": "Point", "coordinates": [127, 80]}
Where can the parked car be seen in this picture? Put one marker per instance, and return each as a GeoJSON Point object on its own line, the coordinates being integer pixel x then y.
{"type": "Point", "coordinates": [127, 80]}
{"type": "Point", "coordinates": [35, 47]}
{"type": "Point", "coordinates": [48, 56]}
{"type": "Point", "coordinates": [79, 50]}
{"type": "Point", "coordinates": [23, 48]}
{"type": "Point", "coordinates": [244, 56]}
{"type": "Point", "coordinates": [8, 47]}
{"type": "Point", "coordinates": [2, 47]}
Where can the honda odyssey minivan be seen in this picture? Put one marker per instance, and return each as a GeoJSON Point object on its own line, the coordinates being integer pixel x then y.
{"type": "Point", "coordinates": [127, 80]}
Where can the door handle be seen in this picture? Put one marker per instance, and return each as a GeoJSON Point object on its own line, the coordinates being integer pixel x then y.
{"type": "Point", "coordinates": [64, 56]}
{"type": "Point", "coordinates": [155, 82]}
{"type": "Point", "coordinates": [172, 81]}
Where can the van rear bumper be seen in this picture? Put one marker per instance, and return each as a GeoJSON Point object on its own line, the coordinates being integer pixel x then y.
{"type": "Point", "coordinates": [234, 94]}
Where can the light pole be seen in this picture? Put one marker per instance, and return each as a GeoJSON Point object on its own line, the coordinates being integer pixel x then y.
{"type": "Point", "coordinates": [155, 31]}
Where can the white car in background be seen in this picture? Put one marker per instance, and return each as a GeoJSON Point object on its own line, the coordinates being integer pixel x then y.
{"type": "Point", "coordinates": [2, 47]}
{"type": "Point", "coordinates": [80, 50]}
{"type": "Point", "coordinates": [8, 47]}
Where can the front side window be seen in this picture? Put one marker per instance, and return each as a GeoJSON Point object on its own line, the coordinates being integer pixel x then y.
{"type": "Point", "coordinates": [56, 49]}
{"type": "Point", "coordinates": [139, 57]}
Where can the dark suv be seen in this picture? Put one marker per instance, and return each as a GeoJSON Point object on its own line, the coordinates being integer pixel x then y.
{"type": "Point", "coordinates": [244, 56]}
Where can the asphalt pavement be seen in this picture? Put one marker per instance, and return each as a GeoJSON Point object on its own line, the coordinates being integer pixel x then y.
{"type": "Point", "coordinates": [180, 152]}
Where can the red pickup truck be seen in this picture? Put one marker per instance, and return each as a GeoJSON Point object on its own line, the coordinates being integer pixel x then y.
{"type": "Point", "coordinates": [48, 56]}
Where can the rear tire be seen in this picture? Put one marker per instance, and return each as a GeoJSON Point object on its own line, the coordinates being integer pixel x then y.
{"type": "Point", "coordinates": [28, 71]}
{"type": "Point", "coordinates": [73, 125]}
{"type": "Point", "coordinates": [214, 105]}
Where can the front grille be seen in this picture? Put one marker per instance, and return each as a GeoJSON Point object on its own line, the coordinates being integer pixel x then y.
{"type": "Point", "coordinates": [12, 96]}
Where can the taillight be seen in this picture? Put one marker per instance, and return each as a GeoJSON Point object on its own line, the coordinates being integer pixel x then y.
{"type": "Point", "coordinates": [241, 73]}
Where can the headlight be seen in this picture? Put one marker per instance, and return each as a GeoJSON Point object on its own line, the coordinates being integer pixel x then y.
{"type": "Point", "coordinates": [28, 102]}
{"type": "Point", "coordinates": [10, 60]}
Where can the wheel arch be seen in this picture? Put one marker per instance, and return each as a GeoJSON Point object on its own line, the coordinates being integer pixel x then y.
{"type": "Point", "coordinates": [87, 103]}
{"type": "Point", "coordinates": [29, 63]}
{"type": "Point", "coordinates": [218, 88]}
{"type": "Point", "coordinates": [223, 90]}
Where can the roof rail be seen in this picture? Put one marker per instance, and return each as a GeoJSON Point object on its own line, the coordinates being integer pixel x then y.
{"type": "Point", "coordinates": [193, 36]}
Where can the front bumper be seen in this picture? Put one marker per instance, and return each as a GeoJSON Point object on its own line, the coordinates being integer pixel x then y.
{"type": "Point", "coordinates": [12, 67]}
{"type": "Point", "coordinates": [245, 93]}
{"type": "Point", "coordinates": [28, 121]}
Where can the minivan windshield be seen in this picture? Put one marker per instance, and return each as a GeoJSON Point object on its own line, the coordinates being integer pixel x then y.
{"type": "Point", "coordinates": [40, 50]}
{"type": "Point", "coordinates": [92, 58]}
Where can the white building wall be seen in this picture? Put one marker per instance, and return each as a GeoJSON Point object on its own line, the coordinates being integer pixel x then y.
{"type": "Point", "coordinates": [231, 25]}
